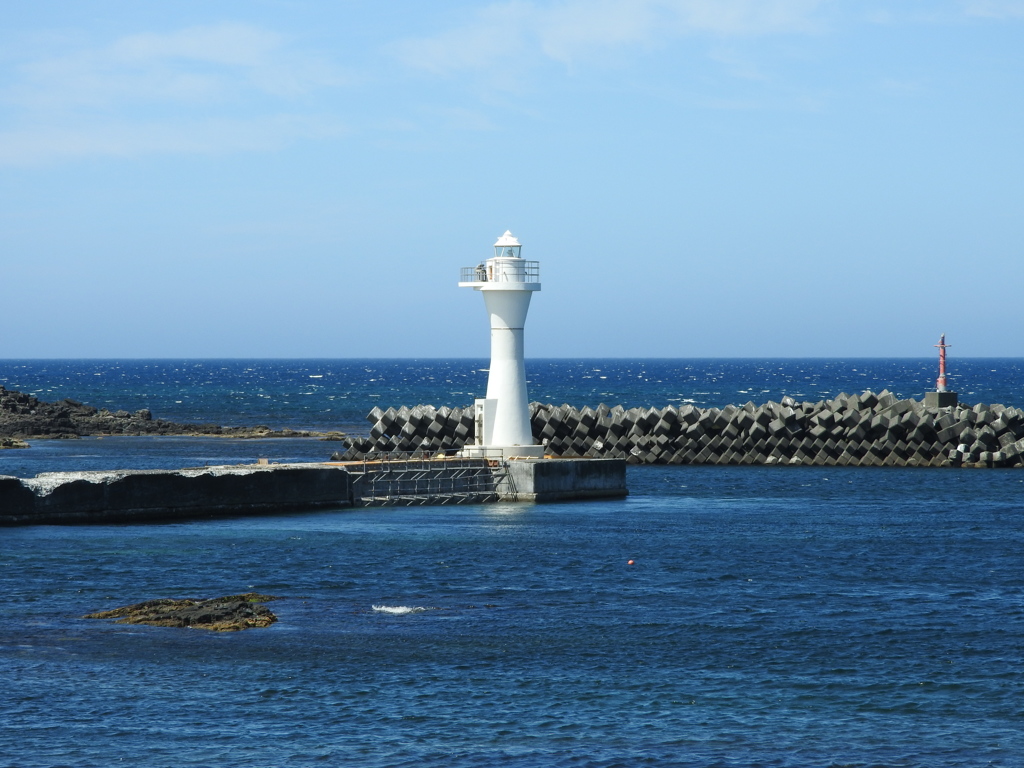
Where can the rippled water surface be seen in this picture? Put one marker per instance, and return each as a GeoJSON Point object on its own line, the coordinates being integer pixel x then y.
{"type": "Point", "coordinates": [795, 616]}
{"type": "Point", "coordinates": [772, 617]}
{"type": "Point", "coordinates": [337, 394]}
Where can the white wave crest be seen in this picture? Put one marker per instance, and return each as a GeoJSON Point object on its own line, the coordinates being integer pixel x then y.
{"type": "Point", "coordinates": [398, 610]}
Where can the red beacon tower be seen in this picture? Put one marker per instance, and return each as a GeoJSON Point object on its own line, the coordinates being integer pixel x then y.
{"type": "Point", "coordinates": [941, 397]}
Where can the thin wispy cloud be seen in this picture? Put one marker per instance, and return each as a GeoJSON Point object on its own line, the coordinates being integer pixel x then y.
{"type": "Point", "coordinates": [225, 87]}
{"type": "Point", "coordinates": [512, 34]}
{"type": "Point", "coordinates": [192, 65]}
{"type": "Point", "coordinates": [995, 9]}
{"type": "Point", "coordinates": [947, 13]}
{"type": "Point", "coordinates": [49, 143]}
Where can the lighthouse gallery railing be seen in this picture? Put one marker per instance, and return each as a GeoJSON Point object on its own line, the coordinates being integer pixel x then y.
{"type": "Point", "coordinates": [502, 270]}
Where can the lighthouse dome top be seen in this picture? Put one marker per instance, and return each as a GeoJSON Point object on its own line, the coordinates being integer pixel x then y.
{"type": "Point", "coordinates": [507, 246]}
{"type": "Point", "coordinates": [506, 240]}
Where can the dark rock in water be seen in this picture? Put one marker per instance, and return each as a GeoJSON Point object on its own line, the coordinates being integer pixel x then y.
{"type": "Point", "coordinates": [24, 416]}
{"type": "Point", "coordinates": [12, 442]}
{"type": "Point", "coordinates": [219, 614]}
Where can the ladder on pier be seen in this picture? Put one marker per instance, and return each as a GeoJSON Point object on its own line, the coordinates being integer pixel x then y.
{"type": "Point", "coordinates": [410, 480]}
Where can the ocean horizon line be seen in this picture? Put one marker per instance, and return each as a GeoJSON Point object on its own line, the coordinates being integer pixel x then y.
{"type": "Point", "coordinates": [485, 358]}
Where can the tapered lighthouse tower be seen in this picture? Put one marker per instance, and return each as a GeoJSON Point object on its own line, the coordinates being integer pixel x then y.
{"type": "Point", "coordinates": [941, 397]}
{"type": "Point", "coordinates": [507, 282]}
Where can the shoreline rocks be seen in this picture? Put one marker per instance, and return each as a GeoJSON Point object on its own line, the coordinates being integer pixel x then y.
{"type": "Point", "coordinates": [23, 416]}
{"type": "Point", "coordinates": [232, 613]}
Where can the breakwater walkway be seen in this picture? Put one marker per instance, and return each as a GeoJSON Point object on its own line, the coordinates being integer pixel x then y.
{"type": "Point", "coordinates": [867, 429]}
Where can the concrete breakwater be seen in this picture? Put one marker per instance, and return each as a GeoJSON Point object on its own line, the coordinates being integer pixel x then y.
{"type": "Point", "coordinates": [869, 429]}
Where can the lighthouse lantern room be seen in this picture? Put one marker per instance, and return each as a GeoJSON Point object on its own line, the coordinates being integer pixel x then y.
{"type": "Point", "coordinates": [507, 282]}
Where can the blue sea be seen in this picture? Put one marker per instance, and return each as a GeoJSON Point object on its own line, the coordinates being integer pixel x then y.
{"type": "Point", "coordinates": [796, 616]}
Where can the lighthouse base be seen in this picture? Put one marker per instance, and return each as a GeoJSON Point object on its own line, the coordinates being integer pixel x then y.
{"type": "Point", "coordinates": [940, 399]}
{"type": "Point", "coordinates": [503, 452]}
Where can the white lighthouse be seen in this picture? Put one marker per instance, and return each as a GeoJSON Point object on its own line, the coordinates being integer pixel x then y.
{"type": "Point", "coordinates": [507, 282]}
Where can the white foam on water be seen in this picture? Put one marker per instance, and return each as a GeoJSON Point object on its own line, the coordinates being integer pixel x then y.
{"type": "Point", "coordinates": [398, 610]}
{"type": "Point", "coordinates": [46, 483]}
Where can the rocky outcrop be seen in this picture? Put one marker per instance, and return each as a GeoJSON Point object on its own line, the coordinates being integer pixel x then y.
{"type": "Point", "coordinates": [26, 417]}
{"type": "Point", "coordinates": [12, 442]}
{"type": "Point", "coordinates": [219, 614]}
{"type": "Point", "coordinates": [869, 429]}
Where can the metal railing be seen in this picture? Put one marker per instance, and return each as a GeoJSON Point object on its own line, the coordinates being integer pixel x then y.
{"type": "Point", "coordinates": [502, 270]}
{"type": "Point", "coordinates": [406, 479]}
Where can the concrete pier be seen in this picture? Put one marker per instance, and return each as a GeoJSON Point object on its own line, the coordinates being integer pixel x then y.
{"type": "Point", "coordinates": [563, 480]}
{"type": "Point", "coordinates": [147, 495]}
{"type": "Point", "coordinates": [152, 495]}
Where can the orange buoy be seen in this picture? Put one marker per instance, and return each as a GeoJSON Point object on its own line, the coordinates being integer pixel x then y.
{"type": "Point", "coordinates": [629, 563]}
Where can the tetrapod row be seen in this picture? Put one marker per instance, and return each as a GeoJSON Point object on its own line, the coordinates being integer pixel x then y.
{"type": "Point", "coordinates": [422, 429]}
{"type": "Point", "coordinates": [868, 429]}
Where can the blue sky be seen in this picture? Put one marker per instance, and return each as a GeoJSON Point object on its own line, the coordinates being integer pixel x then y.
{"type": "Point", "coordinates": [698, 178]}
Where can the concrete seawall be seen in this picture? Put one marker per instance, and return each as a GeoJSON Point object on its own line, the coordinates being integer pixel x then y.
{"type": "Point", "coordinates": [868, 429]}
{"type": "Point", "coordinates": [141, 495]}
{"type": "Point", "coordinates": [150, 495]}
